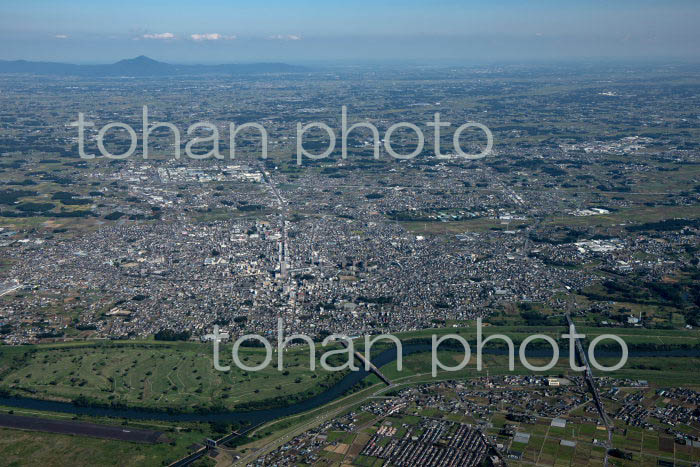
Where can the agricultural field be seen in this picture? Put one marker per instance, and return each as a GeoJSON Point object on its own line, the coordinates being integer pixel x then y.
{"type": "Point", "coordinates": [534, 425]}
{"type": "Point", "coordinates": [644, 447]}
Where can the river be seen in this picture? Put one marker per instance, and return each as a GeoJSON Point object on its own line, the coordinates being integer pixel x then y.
{"type": "Point", "coordinates": [257, 417]}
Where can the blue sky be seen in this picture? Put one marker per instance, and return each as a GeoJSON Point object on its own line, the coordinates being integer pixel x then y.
{"type": "Point", "coordinates": [211, 31]}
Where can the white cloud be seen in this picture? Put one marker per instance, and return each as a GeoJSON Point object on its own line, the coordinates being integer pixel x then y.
{"type": "Point", "coordinates": [213, 36]}
{"type": "Point", "coordinates": [61, 36]}
{"type": "Point", "coordinates": [285, 37]}
{"type": "Point", "coordinates": [162, 35]}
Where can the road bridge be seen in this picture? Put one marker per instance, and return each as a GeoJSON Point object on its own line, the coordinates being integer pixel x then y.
{"type": "Point", "coordinates": [372, 367]}
{"type": "Point", "coordinates": [591, 385]}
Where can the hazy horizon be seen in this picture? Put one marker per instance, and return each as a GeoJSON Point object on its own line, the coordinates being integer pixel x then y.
{"type": "Point", "coordinates": [424, 62]}
{"type": "Point", "coordinates": [312, 31]}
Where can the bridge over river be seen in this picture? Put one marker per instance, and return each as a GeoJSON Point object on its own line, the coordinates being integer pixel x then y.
{"type": "Point", "coordinates": [367, 364]}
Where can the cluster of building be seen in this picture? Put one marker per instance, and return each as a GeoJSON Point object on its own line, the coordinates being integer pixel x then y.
{"type": "Point", "coordinates": [336, 245]}
{"type": "Point", "coordinates": [439, 443]}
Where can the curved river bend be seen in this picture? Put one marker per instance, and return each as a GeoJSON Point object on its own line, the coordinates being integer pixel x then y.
{"type": "Point", "coordinates": [257, 417]}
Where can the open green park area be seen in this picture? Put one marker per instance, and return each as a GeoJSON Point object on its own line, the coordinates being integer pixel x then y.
{"type": "Point", "coordinates": [181, 375]}
{"type": "Point", "coordinates": [18, 447]}
{"type": "Point", "coordinates": [176, 376]}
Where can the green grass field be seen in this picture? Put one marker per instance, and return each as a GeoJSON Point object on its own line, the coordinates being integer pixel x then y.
{"type": "Point", "coordinates": [18, 447]}
{"type": "Point", "coordinates": [179, 376]}
{"type": "Point", "coordinates": [662, 371]}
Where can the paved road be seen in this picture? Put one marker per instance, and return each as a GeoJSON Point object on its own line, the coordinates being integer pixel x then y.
{"type": "Point", "coordinates": [326, 415]}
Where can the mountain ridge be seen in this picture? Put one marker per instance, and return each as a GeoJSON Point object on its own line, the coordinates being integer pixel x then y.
{"type": "Point", "coordinates": [142, 66]}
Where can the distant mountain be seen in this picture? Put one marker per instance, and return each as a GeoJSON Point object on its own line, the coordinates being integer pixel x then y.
{"type": "Point", "coordinates": [141, 66]}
